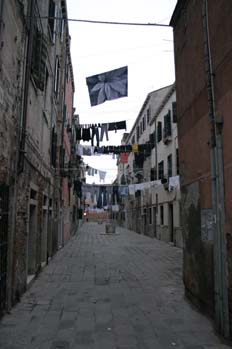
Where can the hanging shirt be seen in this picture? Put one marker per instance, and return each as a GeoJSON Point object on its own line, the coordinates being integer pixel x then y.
{"type": "Point", "coordinates": [78, 134]}
{"type": "Point", "coordinates": [86, 134]}
{"type": "Point", "coordinates": [102, 175]}
{"type": "Point", "coordinates": [135, 148]}
{"type": "Point", "coordinates": [88, 150]}
{"type": "Point", "coordinates": [124, 158]}
{"type": "Point", "coordinates": [79, 150]}
{"type": "Point", "coordinates": [114, 126]}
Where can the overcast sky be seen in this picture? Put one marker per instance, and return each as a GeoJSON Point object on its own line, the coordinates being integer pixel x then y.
{"type": "Point", "coordinates": [97, 48]}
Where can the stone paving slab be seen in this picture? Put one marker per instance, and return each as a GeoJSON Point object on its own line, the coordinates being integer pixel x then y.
{"type": "Point", "coordinates": [109, 291]}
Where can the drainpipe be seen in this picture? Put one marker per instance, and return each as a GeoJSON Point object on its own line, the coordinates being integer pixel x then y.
{"type": "Point", "coordinates": [61, 151]}
{"type": "Point", "coordinates": [11, 238]}
{"type": "Point", "coordinates": [1, 11]}
{"type": "Point", "coordinates": [217, 180]}
{"type": "Point", "coordinates": [156, 153]}
{"type": "Point", "coordinates": [30, 31]}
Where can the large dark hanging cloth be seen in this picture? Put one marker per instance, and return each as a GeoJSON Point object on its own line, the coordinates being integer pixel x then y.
{"type": "Point", "coordinates": [86, 134]}
{"type": "Point", "coordinates": [107, 86]}
{"type": "Point", "coordinates": [114, 126]}
{"type": "Point", "coordinates": [78, 134]}
{"type": "Point", "coordinates": [78, 188]}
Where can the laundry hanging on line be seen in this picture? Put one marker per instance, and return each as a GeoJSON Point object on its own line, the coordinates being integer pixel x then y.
{"type": "Point", "coordinates": [87, 132]}
{"type": "Point", "coordinates": [92, 171]}
{"type": "Point", "coordinates": [140, 150]}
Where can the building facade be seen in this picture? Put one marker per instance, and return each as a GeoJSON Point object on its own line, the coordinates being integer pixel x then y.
{"type": "Point", "coordinates": [203, 60]}
{"type": "Point", "coordinates": [33, 58]}
{"type": "Point", "coordinates": [153, 204]}
{"type": "Point", "coordinates": [69, 208]}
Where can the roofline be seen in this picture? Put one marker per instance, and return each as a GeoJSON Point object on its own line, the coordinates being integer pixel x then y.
{"type": "Point", "coordinates": [179, 6]}
{"type": "Point", "coordinates": [142, 109]}
{"type": "Point", "coordinates": [164, 101]}
{"type": "Point", "coordinates": [67, 40]}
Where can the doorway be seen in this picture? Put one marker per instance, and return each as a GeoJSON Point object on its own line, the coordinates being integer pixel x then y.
{"type": "Point", "coordinates": [154, 221]}
{"type": "Point", "coordinates": [31, 247]}
{"type": "Point", "coordinates": [4, 204]}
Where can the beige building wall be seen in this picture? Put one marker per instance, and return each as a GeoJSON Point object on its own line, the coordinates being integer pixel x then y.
{"type": "Point", "coordinates": [154, 212]}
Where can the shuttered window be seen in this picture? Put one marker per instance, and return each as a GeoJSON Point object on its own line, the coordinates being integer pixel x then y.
{"type": "Point", "coordinates": [57, 76]}
{"type": "Point", "coordinates": [174, 112]}
{"type": "Point", "coordinates": [53, 147]}
{"type": "Point", "coordinates": [39, 57]}
{"type": "Point", "coordinates": [177, 161]}
{"type": "Point", "coordinates": [167, 124]}
{"type": "Point", "coordinates": [137, 133]}
{"type": "Point", "coordinates": [169, 160]}
{"type": "Point", "coordinates": [148, 115]}
{"type": "Point", "coordinates": [159, 131]}
{"type": "Point", "coordinates": [51, 15]}
{"type": "Point", "coordinates": [161, 169]}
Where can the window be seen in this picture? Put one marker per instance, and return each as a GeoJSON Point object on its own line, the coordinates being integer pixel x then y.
{"type": "Point", "coordinates": [137, 133]}
{"type": "Point", "coordinates": [167, 124]}
{"type": "Point", "coordinates": [152, 140]}
{"type": "Point", "coordinates": [161, 169]}
{"type": "Point", "coordinates": [67, 72]}
{"type": "Point", "coordinates": [161, 215]}
{"type": "Point", "coordinates": [148, 116]}
{"type": "Point", "coordinates": [39, 56]}
{"type": "Point", "coordinates": [141, 127]}
{"type": "Point", "coordinates": [177, 161]}
{"type": "Point", "coordinates": [159, 131]}
{"type": "Point", "coordinates": [133, 140]}
{"type": "Point", "coordinates": [153, 174]}
{"type": "Point", "coordinates": [174, 112]}
{"type": "Point", "coordinates": [150, 215]}
{"type": "Point", "coordinates": [61, 26]}
{"type": "Point", "coordinates": [65, 115]}
{"type": "Point", "coordinates": [57, 76]}
{"type": "Point", "coordinates": [144, 123]}
{"type": "Point", "coordinates": [62, 158]}
{"type": "Point", "coordinates": [53, 147]}
{"type": "Point", "coordinates": [51, 15]}
{"type": "Point", "coordinates": [170, 165]}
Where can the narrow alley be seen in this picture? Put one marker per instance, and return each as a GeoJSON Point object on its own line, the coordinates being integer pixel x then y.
{"type": "Point", "coordinates": [108, 291]}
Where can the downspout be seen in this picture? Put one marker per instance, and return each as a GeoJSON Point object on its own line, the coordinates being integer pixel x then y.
{"type": "Point", "coordinates": [1, 12]}
{"type": "Point", "coordinates": [217, 179]}
{"type": "Point", "coordinates": [26, 85]}
{"type": "Point", "coordinates": [62, 142]}
{"type": "Point", "coordinates": [156, 159]}
{"type": "Point", "coordinates": [11, 239]}
{"type": "Point", "coordinates": [156, 177]}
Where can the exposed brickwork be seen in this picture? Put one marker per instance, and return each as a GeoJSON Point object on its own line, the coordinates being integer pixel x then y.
{"type": "Point", "coordinates": [193, 111]}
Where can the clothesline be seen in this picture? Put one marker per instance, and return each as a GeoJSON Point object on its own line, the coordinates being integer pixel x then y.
{"type": "Point", "coordinates": [97, 124]}
{"type": "Point", "coordinates": [130, 189]}
{"type": "Point", "coordinates": [88, 150]}
{"type": "Point", "coordinates": [90, 131]}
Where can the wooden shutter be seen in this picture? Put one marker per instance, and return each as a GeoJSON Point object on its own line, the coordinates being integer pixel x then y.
{"type": "Point", "coordinates": [174, 112]}
{"type": "Point", "coordinates": [159, 131]}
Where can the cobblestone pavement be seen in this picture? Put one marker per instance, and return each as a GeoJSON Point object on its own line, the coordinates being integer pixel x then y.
{"type": "Point", "coordinates": [108, 291]}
